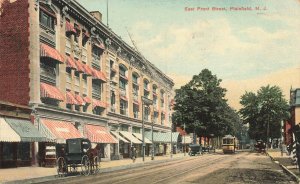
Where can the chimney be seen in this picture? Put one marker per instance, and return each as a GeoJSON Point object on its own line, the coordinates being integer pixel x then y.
{"type": "Point", "coordinates": [97, 15]}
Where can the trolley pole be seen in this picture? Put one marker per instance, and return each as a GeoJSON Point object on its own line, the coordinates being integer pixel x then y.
{"type": "Point", "coordinates": [145, 101]}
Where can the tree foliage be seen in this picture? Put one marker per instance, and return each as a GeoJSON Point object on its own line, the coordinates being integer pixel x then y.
{"type": "Point", "coordinates": [200, 106]}
{"type": "Point", "coordinates": [266, 107]}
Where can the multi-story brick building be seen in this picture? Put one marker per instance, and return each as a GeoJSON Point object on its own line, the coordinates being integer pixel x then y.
{"type": "Point", "coordinates": [78, 76]}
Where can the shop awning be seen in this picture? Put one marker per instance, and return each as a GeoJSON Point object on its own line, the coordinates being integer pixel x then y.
{"type": "Point", "coordinates": [140, 137]}
{"type": "Point", "coordinates": [60, 130]}
{"type": "Point", "coordinates": [159, 137]}
{"type": "Point", "coordinates": [186, 140]}
{"type": "Point", "coordinates": [99, 134]}
{"type": "Point", "coordinates": [71, 63]}
{"type": "Point", "coordinates": [98, 75]}
{"type": "Point", "coordinates": [98, 103]}
{"type": "Point", "coordinates": [47, 51]}
{"type": "Point", "coordinates": [116, 134]}
{"type": "Point", "coordinates": [26, 130]}
{"type": "Point", "coordinates": [130, 137]}
{"type": "Point", "coordinates": [7, 134]}
{"type": "Point", "coordinates": [49, 91]}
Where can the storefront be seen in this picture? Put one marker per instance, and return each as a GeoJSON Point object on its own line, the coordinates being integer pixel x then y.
{"type": "Point", "coordinates": [148, 143]}
{"type": "Point", "coordinates": [100, 136]}
{"type": "Point", "coordinates": [17, 137]}
{"type": "Point", "coordinates": [132, 141]}
{"type": "Point", "coordinates": [117, 147]}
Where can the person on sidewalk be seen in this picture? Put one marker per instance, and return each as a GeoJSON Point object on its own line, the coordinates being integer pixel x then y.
{"type": "Point", "coordinates": [133, 154]}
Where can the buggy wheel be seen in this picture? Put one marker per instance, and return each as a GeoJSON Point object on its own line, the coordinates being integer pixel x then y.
{"type": "Point", "coordinates": [96, 165]}
{"type": "Point", "coordinates": [85, 165]}
{"type": "Point", "coordinates": [61, 167]}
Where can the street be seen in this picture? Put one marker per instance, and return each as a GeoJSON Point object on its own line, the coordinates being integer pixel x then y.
{"type": "Point", "coordinates": [242, 167]}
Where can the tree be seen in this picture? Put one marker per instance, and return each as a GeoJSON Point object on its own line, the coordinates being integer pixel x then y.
{"type": "Point", "coordinates": [201, 106]}
{"type": "Point", "coordinates": [264, 111]}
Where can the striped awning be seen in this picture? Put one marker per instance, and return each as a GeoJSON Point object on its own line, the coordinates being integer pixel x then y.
{"type": "Point", "coordinates": [140, 137]}
{"type": "Point", "coordinates": [99, 45]}
{"type": "Point", "coordinates": [130, 137]}
{"type": "Point", "coordinates": [98, 103]}
{"type": "Point", "coordinates": [79, 99]}
{"type": "Point", "coordinates": [7, 134]}
{"type": "Point", "coordinates": [98, 75]}
{"type": "Point", "coordinates": [136, 102]}
{"type": "Point", "coordinates": [79, 66]}
{"type": "Point", "coordinates": [118, 137]}
{"type": "Point", "coordinates": [87, 99]}
{"type": "Point", "coordinates": [71, 63]}
{"type": "Point", "coordinates": [71, 98]}
{"type": "Point", "coordinates": [123, 98]}
{"type": "Point", "coordinates": [49, 52]}
{"type": "Point", "coordinates": [70, 28]}
{"type": "Point", "coordinates": [99, 134]}
{"type": "Point", "coordinates": [49, 91]}
{"type": "Point", "coordinates": [87, 70]}
{"type": "Point", "coordinates": [26, 130]}
{"type": "Point", "coordinates": [60, 130]}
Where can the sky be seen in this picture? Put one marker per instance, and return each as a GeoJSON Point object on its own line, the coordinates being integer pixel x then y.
{"type": "Point", "coordinates": [245, 47]}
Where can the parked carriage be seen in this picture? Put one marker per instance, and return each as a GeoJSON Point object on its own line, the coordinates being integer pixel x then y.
{"type": "Point", "coordinates": [77, 154]}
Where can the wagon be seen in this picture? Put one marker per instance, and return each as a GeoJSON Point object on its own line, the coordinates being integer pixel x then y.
{"type": "Point", "coordinates": [77, 153]}
{"type": "Point", "coordinates": [195, 149]}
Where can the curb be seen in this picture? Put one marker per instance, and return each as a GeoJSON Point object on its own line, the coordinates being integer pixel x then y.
{"type": "Point", "coordinates": [285, 169]}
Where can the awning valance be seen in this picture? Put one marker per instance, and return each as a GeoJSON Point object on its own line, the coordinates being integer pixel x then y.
{"type": "Point", "coordinates": [49, 91]}
{"type": "Point", "coordinates": [71, 63]}
{"type": "Point", "coordinates": [140, 137]}
{"type": "Point", "coordinates": [47, 51]}
{"type": "Point", "coordinates": [70, 28]}
{"type": "Point", "coordinates": [118, 137]}
{"type": "Point", "coordinates": [98, 103]}
{"type": "Point", "coordinates": [98, 75]}
{"type": "Point", "coordinates": [130, 137]}
{"type": "Point", "coordinates": [7, 134]}
{"type": "Point", "coordinates": [99, 134]}
{"type": "Point", "coordinates": [26, 130]}
{"type": "Point", "coordinates": [60, 130]}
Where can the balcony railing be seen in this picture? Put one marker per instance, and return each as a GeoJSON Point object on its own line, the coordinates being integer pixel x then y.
{"type": "Point", "coordinates": [68, 46]}
{"type": "Point", "coordinates": [48, 74]}
{"type": "Point", "coordinates": [96, 61]}
{"type": "Point", "coordinates": [47, 35]}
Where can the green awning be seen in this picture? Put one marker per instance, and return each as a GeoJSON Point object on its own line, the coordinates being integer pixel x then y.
{"type": "Point", "coordinates": [159, 137]}
{"type": "Point", "coordinates": [26, 130]}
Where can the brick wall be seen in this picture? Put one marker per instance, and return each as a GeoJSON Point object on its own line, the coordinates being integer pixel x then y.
{"type": "Point", "coordinates": [14, 52]}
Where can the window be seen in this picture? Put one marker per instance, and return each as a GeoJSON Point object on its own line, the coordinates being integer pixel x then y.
{"type": "Point", "coordinates": [96, 89]}
{"type": "Point", "coordinates": [146, 113]}
{"type": "Point", "coordinates": [122, 84]}
{"type": "Point", "coordinates": [155, 116]}
{"type": "Point", "coordinates": [46, 20]}
{"type": "Point", "coordinates": [135, 111]}
{"type": "Point", "coordinates": [162, 118]}
{"type": "Point", "coordinates": [135, 79]}
{"type": "Point", "coordinates": [123, 107]}
{"type": "Point", "coordinates": [154, 100]}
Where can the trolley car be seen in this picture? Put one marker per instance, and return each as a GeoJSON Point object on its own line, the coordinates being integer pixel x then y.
{"type": "Point", "coordinates": [229, 144]}
{"type": "Point", "coordinates": [77, 153]}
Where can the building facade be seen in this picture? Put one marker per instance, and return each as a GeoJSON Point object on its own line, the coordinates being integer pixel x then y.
{"type": "Point", "coordinates": [78, 76]}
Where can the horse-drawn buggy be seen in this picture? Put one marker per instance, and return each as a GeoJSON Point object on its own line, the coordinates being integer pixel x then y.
{"type": "Point", "coordinates": [77, 153]}
{"type": "Point", "coordinates": [260, 146]}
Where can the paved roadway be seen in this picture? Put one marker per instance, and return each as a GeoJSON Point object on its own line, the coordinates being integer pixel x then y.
{"type": "Point", "coordinates": [243, 167]}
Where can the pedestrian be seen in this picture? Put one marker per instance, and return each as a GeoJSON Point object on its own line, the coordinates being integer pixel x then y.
{"type": "Point", "coordinates": [133, 154]}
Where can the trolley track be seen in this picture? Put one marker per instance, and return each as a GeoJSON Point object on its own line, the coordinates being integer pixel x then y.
{"type": "Point", "coordinates": [163, 170]}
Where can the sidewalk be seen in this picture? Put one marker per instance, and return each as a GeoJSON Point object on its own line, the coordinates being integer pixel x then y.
{"type": "Point", "coordinates": [27, 174]}
{"type": "Point", "coordinates": [285, 162]}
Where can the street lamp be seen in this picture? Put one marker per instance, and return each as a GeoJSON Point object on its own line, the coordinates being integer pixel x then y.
{"type": "Point", "coordinates": [152, 150]}
{"type": "Point", "coordinates": [145, 101]}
